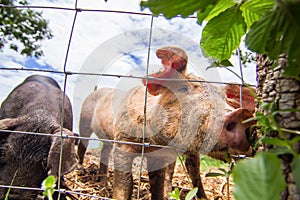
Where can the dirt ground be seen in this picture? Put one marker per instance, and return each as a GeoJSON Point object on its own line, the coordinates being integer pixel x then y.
{"type": "Point", "coordinates": [84, 181]}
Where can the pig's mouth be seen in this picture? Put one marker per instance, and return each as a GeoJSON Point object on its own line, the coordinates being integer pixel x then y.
{"type": "Point", "coordinates": [239, 150]}
{"type": "Point", "coordinates": [241, 153]}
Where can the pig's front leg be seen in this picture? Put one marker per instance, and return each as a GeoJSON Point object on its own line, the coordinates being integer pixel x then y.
{"type": "Point", "coordinates": [160, 179]}
{"type": "Point", "coordinates": [192, 164]}
{"type": "Point", "coordinates": [123, 182]}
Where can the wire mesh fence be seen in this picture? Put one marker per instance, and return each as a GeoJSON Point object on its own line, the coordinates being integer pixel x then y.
{"type": "Point", "coordinates": [84, 76]}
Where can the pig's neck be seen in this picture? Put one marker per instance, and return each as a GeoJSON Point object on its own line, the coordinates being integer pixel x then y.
{"type": "Point", "coordinates": [171, 91]}
{"type": "Point", "coordinates": [167, 98]}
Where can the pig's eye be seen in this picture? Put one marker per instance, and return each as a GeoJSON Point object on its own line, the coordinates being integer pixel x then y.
{"type": "Point", "coordinates": [184, 88]}
{"type": "Point", "coordinates": [230, 126]}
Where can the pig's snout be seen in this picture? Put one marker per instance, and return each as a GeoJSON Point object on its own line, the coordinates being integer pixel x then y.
{"type": "Point", "coordinates": [235, 133]}
{"type": "Point", "coordinates": [236, 137]}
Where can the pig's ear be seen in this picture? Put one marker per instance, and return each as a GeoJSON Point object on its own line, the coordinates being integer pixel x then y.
{"type": "Point", "coordinates": [69, 160]}
{"type": "Point", "coordinates": [178, 62]}
{"type": "Point", "coordinates": [233, 97]}
{"type": "Point", "coordinates": [174, 60]}
{"type": "Point", "coordinates": [239, 114]}
{"type": "Point", "coordinates": [173, 57]}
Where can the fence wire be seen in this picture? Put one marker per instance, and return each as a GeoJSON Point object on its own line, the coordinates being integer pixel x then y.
{"type": "Point", "coordinates": [66, 74]}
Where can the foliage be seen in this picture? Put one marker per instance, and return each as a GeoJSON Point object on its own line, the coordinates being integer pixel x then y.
{"type": "Point", "coordinates": [22, 29]}
{"type": "Point", "coordinates": [231, 27]}
{"type": "Point", "coordinates": [191, 194]}
{"type": "Point", "coordinates": [281, 34]}
{"type": "Point", "coordinates": [224, 173]}
{"type": "Point", "coordinates": [246, 57]}
{"type": "Point", "coordinates": [206, 162]}
{"type": "Point", "coordinates": [11, 183]}
{"type": "Point", "coordinates": [175, 194]}
{"type": "Point", "coordinates": [259, 178]}
{"type": "Point", "coordinates": [271, 27]}
{"type": "Point", "coordinates": [267, 123]}
{"type": "Point", "coordinates": [48, 187]}
{"type": "Point", "coordinates": [296, 171]}
{"type": "Point", "coordinates": [267, 160]}
{"type": "Point", "coordinates": [172, 8]}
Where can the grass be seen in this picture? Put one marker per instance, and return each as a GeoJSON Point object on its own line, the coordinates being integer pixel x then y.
{"type": "Point", "coordinates": [207, 162]}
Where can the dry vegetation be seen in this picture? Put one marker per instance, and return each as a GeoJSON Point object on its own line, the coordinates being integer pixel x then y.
{"type": "Point", "coordinates": [85, 180]}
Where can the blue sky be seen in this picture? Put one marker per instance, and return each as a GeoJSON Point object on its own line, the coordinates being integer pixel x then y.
{"type": "Point", "coordinates": [107, 42]}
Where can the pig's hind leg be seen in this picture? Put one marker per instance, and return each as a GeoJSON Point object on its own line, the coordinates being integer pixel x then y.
{"type": "Point", "coordinates": [105, 154]}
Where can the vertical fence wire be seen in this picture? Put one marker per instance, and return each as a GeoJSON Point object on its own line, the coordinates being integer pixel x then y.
{"type": "Point", "coordinates": [64, 99]}
{"type": "Point", "coordinates": [145, 108]}
{"type": "Point", "coordinates": [242, 77]}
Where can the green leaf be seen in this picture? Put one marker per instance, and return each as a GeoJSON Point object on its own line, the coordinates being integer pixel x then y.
{"type": "Point", "coordinates": [280, 150]}
{"type": "Point", "coordinates": [176, 7]}
{"type": "Point", "coordinates": [191, 194]}
{"type": "Point", "coordinates": [223, 33]}
{"type": "Point", "coordinates": [266, 105]}
{"type": "Point", "coordinates": [214, 174]}
{"type": "Point", "coordinates": [296, 171]}
{"type": "Point", "coordinates": [223, 170]}
{"type": "Point", "coordinates": [202, 14]}
{"type": "Point", "coordinates": [11, 183]}
{"type": "Point", "coordinates": [220, 7]}
{"type": "Point", "coordinates": [278, 33]}
{"type": "Point", "coordinates": [292, 72]}
{"type": "Point", "coordinates": [14, 47]}
{"type": "Point", "coordinates": [226, 63]}
{"type": "Point", "coordinates": [295, 140]}
{"type": "Point", "coordinates": [285, 31]}
{"type": "Point", "coordinates": [253, 10]}
{"type": "Point", "coordinates": [258, 178]}
{"type": "Point", "coordinates": [289, 28]}
{"type": "Point", "coordinates": [217, 63]}
{"type": "Point", "coordinates": [274, 141]}
{"type": "Point", "coordinates": [257, 37]}
{"type": "Point", "coordinates": [249, 120]}
{"type": "Point", "coordinates": [288, 110]}
{"type": "Point", "coordinates": [48, 184]}
{"type": "Point", "coordinates": [175, 194]}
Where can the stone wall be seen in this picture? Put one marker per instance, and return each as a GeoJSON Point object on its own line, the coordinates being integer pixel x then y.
{"type": "Point", "coordinates": [272, 86]}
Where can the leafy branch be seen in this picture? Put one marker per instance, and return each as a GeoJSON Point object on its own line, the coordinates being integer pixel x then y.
{"type": "Point", "coordinates": [22, 29]}
{"type": "Point", "coordinates": [271, 27]}
{"type": "Point", "coordinates": [267, 123]}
